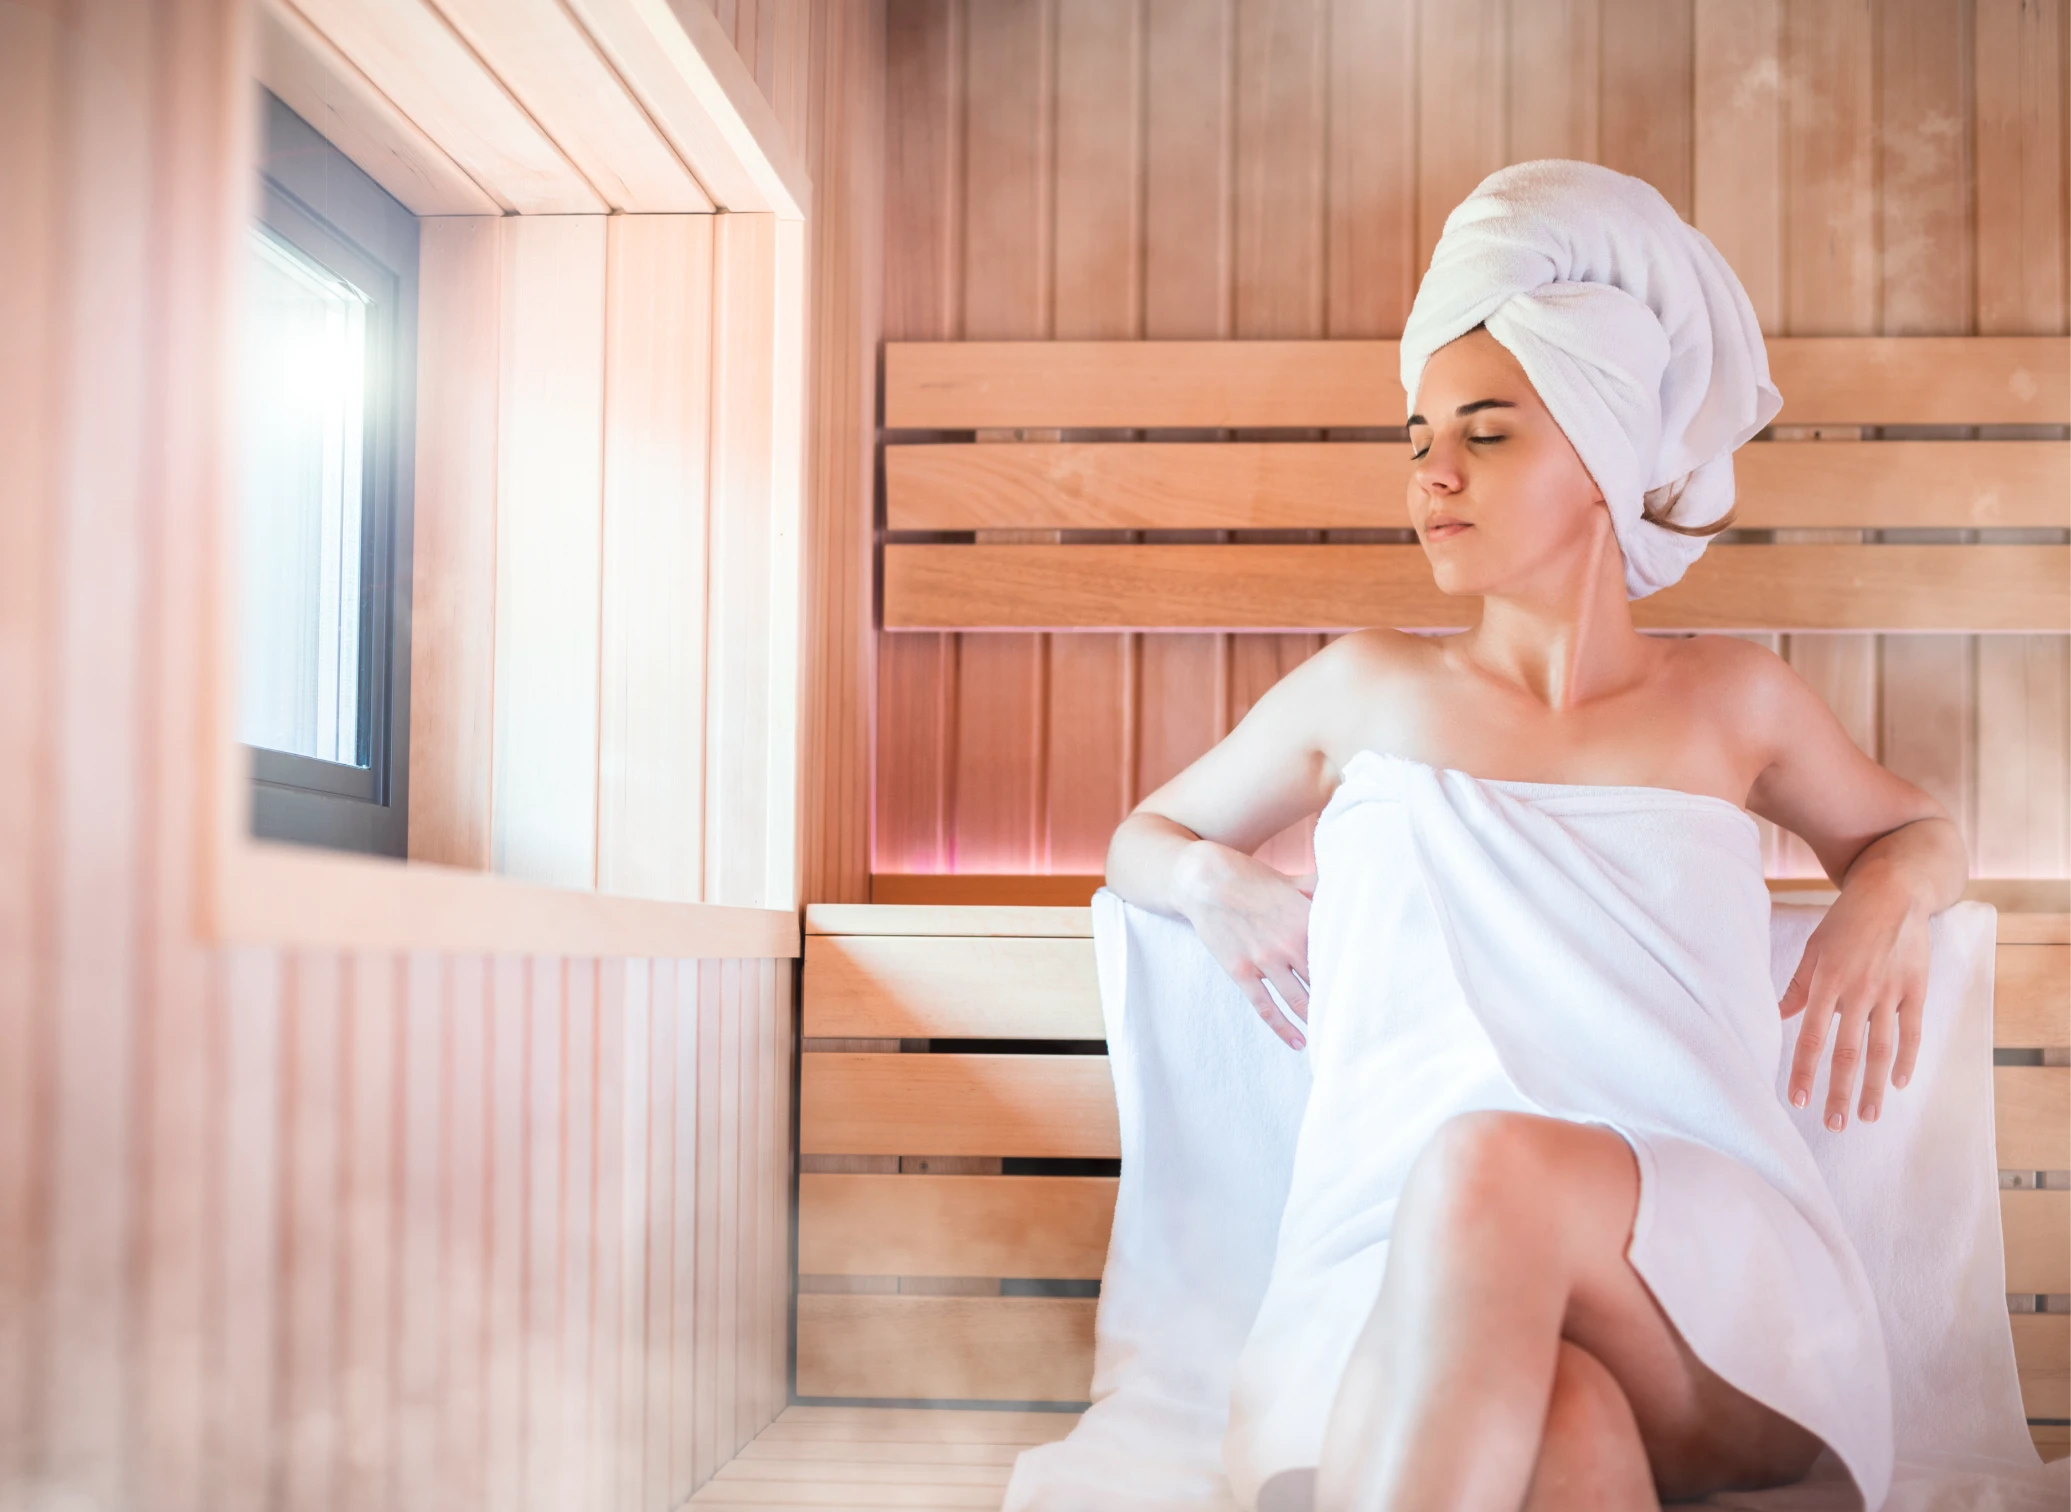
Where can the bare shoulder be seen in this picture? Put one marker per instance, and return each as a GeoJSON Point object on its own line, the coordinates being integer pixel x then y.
{"type": "Point", "coordinates": [1748, 688]}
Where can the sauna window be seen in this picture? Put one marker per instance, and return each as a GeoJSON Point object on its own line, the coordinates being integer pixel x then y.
{"type": "Point", "coordinates": [329, 353]}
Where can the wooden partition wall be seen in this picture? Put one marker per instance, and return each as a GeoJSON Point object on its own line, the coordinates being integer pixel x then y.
{"type": "Point", "coordinates": [310, 1221]}
{"type": "Point", "coordinates": [1249, 169]}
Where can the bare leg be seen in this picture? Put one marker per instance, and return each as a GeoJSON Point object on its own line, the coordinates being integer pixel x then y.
{"type": "Point", "coordinates": [1511, 1237]}
{"type": "Point", "coordinates": [1590, 1455]}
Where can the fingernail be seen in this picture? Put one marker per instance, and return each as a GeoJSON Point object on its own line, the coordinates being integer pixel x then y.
{"type": "Point", "coordinates": [1869, 1114]}
{"type": "Point", "coordinates": [1899, 1081]}
{"type": "Point", "coordinates": [1834, 1121]}
{"type": "Point", "coordinates": [1798, 1098]}
{"type": "Point", "coordinates": [1299, 1042]}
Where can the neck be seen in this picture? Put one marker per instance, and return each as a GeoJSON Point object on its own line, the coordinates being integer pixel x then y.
{"type": "Point", "coordinates": [1567, 637]}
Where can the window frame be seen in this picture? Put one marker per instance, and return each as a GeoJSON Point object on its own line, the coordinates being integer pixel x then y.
{"type": "Point", "coordinates": [318, 201]}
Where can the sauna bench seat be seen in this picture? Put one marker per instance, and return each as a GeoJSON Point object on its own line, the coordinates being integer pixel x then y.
{"type": "Point", "coordinates": [865, 1458]}
{"type": "Point", "coordinates": [958, 1149]}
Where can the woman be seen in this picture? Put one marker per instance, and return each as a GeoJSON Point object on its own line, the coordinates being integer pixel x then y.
{"type": "Point", "coordinates": [1580, 366]}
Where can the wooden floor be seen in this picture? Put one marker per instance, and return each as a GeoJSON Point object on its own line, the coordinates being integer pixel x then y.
{"type": "Point", "coordinates": [864, 1458]}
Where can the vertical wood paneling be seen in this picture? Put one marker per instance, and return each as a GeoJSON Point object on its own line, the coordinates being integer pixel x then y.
{"type": "Point", "coordinates": [314, 1057]}
{"type": "Point", "coordinates": [1647, 97]}
{"type": "Point", "coordinates": [504, 1159]}
{"type": "Point", "coordinates": [580, 1381]}
{"type": "Point", "coordinates": [549, 539]}
{"type": "Point", "coordinates": [665, 1472]}
{"type": "Point", "coordinates": [658, 362]}
{"type": "Point", "coordinates": [543, 1411]}
{"type": "Point", "coordinates": [686, 1468]}
{"type": "Point", "coordinates": [1738, 133]}
{"type": "Point", "coordinates": [453, 585]}
{"type": "Point", "coordinates": [1371, 249]}
{"type": "Point", "coordinates": [725, 1209]}
{"type": "Point", "coordinates": [1462, 128]}
{"type": "Point", "coordinates": [1561, 55]}
{"type": "Point", "coordinates": [705, 1222]}
{"type": "Point", "coordinates": [464, 1260]}
{"type": "Point", "coordinates": [1282, 115]}
{"type": "Point", "coordinates": [419, 1296]}
{"type": "Point", "coordinates": [367, 1319]}
{"type": "Point", "coordinates": [2024, 735]}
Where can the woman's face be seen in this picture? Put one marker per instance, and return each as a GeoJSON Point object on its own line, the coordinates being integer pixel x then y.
{"type": "Point", "coordinates": [1497, 494]}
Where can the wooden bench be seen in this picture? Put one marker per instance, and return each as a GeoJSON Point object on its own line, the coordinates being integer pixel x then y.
{"type": "Point", "coordinates": [956, 1135]}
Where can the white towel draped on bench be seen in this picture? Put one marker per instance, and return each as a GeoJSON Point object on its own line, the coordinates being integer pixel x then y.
{"type": "Point", "coordinates": [1603, 954]}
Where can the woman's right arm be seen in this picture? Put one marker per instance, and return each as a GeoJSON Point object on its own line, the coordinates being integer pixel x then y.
{"type": "Point", "coordinates": [1186, 849]}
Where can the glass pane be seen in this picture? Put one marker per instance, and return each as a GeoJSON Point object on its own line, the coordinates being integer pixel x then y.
{"type": "Point", "coordinates": [304, 419]}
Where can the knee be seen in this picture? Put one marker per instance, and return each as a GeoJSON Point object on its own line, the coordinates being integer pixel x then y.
{"type": "Point", "coordinates": [1481, 1169]}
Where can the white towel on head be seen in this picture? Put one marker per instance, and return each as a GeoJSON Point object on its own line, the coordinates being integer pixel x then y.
{"type": "Point", "coordinates": [1638, 337]}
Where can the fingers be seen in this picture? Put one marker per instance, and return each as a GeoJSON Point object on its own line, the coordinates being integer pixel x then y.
{"type": "Point", "coordinates": [1854, 1018]}
{"type": "Point", "coordinates": [1294, 992]}
{"type": "Point", "coordinates": [1910, 1009]}
{"type": "Point", "coordinates": [1812, 1032]}
{"type": "Point", "coordinates": [1876, 1070]}
{"type": "Point", "coordinates": [1793, 999]}
{"type": "Point", "coordinates": [1254, 989]}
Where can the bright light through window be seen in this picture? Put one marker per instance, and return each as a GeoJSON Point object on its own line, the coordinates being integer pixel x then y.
{"type": "Point", "coordinates": [304, 423]}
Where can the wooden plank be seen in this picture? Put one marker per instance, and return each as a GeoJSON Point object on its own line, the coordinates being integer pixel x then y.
{"type": "Point", "coordinates": [2031, 996]}
{"type": "Point", "coordinates": [2024, 756]}
{"type": "Point", "coordinates": [503, 1276]}
{"type": "Point", "coordinates": [657, 406]}
{"type": "Point", "coordinates": [1281, 485]}
{"type": "Point", "coordinates": [1282, 156]}
{"type": "Point", "coordinates": [1830, 253]}
{"type": "Point", "coordinates": [453, 587]}
{"type": "Point", "coordinates": [367, 1233]}
{"type": "Point", "coordinates": [463, 1260]}
{"type": "Point", "coordinates": [1021, 1349]}
{"type": "Point", "coordinates": [971, 385]}
{"type": "Point", "coordinates": [1924, 185]}
{"type": "Point", "coordinates": [2032, 1110]}
{"type": "Point", "coordinates": [1737, 197]}
{"type": "Point", "coordinates": [1796, 587]}
{"type": "Point", "coordinates": [326, 88]}
{"type": "Point", "coordinates": [1460, 76]}
{"type": "Point", "coordinates": [1371, 250]}
{"type": "Point", "coordinates": [2019, 153]}
{"type": "Point", "coordinates": [663, 1466]}
{"type": "Point", "coordinates": [312, 1055]}
{"type": "Point", "coordinates": [834, 1423]}
{"type": "Point", "coordinates": [611, 1419]}
{"type": "Point", "coordinates": [578, 1378]}
{"type": "Point", "coordinates": [2042, 1353]}
{"type": "Point", "coordinates": [894, 988]}
{"type": "Point", "coordinates": [539, 52]}
{"type": "Point", "coordinates": [549, 536]}
{"type": "Point", "coordinates": [1648, 94]}
{"type": "Point", "coordinates": [866, 919]}
{"type": "Point", "coordinates": [708, 1383]}
{"type": "Point", "coordinates": [1189, 150]}
{"type": "Point", "coordinates": [726, 1211]}
{"type": "Point", "coordinates": [418, 61]}
{"type": "Point", "coordinates": [422, 1107]}
{"type": "Point", "coordinates": [1028, 1105]}
{"type": "Point", "coordinates": [1556, 96]}
{"type": "Point", "coordinates": [1052, 1226]}
{"type": "Point", "coordinates": [2037, 1231]}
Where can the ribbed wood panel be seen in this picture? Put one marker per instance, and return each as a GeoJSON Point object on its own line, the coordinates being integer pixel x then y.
{"type": "Point", "coordinates": [1277, 169]}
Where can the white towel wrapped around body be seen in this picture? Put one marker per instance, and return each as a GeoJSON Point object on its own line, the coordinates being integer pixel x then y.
{"type": "Point", "coordinates": [1631, 326]}
{"type": "Point", "coordinates": [1603, 953]}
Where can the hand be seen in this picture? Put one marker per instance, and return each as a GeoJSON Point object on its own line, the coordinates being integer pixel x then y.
{"type": "Point", "coordinates": [1255, 922]}
{"type": "Point", "coordinates": [1865, 967]}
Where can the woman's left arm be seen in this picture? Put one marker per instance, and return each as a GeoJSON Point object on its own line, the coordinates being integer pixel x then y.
{"type": "Point", "coordinates": [1897, 858]}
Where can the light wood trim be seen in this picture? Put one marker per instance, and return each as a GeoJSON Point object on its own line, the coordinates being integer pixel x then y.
{"type": "Point", "coordinates": [1049, 890]}
{"type": "Point", "coordinates": [680, 63]}
{"type": "Point", "coordinates": [972, 385]}
{"type": "Point", "coordinates": [1330, 587]}
{"type": "Point", "coordinates": [1008, 1349]}
{"type": "Point", "coordinates": [849, 1426]}
{"type": "Point", "coordinates": [415, 59]}
{"type": "Point", "coordinates": [453, 583]}
{"type": "Point", "coordinates": [324, 87]}
{"type": "Point", "coordinates": [2042, 1355]}
{"type": "Point", "coordinates": [267, 894]}
{"type": "Point", "coordinates": [1281, 485]}
{"type": "Point", "coordinates": [1048, 1226]}
{"type": "Point", "coordinates": [948, 918]}
{"type": "Point", "coordinates": [2031, 996]}
{"type": "Point", "coordinates": [1029, 1105]}
{"type": "Point", "coordinates": [542, 55]}
{"type": "Point", "coordinates": [917, 988]}
{"type": "Point", "coordinates": [2032, 1115]}
{"type": "Point", "coordinates": [2037, 1230]}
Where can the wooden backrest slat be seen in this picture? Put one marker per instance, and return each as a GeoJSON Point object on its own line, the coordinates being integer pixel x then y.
{"type": "Point", "coordinates": [972, 385]}
{"type": "Point", "coordinates": [1294, 485]}
{"type": "Point", "coordinates": [1981, 588]}
{"type": "Point", "coordinates": [872, 1225]}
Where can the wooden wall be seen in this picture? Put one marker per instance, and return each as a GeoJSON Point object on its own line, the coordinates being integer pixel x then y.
{"type": "Point", "coordinates": [296, 1228]}
{"type": "Point", "coordinates": [1280, 168]}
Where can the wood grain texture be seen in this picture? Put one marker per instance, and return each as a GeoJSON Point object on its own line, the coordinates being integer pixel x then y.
{"type": "Point", "coordinates": [946, 919]}
{"type": "Point", "coordinates": [2037, 1231]}
{"type": "Point", "coordinates": [1023, 1349]}
{"type": "Point", "coordinates": [963, 987]}
{"type": "Point", "coordinates": [1054, 1226]}
{"type": "Point", "coordinates": [2032, 1106]}
{"type": "Point", "coordinates": [1280, 485]}
{"type": "Point", "coordinates": [1833, 380]}
{"type": "Point", "coordinates": [657, 447]}
{"type": "Point", "coordinates": [1175, 587]}
{"type": "Point", "coordinates": [2042, 1351]}
{"type": "Point", "coordinates": [1024, 1105]}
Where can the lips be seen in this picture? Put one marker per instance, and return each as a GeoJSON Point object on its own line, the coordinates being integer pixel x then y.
{"type": "Point", "coordinates": [1444, 529]}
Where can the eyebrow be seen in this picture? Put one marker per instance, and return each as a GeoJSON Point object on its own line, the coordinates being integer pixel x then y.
{"type": "Point", "coordinates": [1468, 409]}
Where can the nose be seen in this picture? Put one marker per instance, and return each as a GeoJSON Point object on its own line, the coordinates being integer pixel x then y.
{"type": "Point", "coordinates": [1438, 470]}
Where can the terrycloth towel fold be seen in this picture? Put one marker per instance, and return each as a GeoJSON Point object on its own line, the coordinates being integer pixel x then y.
{"type": "Point", "coordinates": [1631, 326]}
{"type": "Point", "coordinates": [1548, 891]}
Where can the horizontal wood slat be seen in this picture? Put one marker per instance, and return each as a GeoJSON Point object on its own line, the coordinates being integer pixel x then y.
{"type": "Point", "coordinates": [951, 917]}
{"type": "Point", "coordinates": [1289, 485]}
{"type": "Point", "coordinates": [1059, 1106]}
{"type": "Point", "coordinates": [2042, 1354]}
{"type": "Point", "coordinates": [2032, 1105]}
{"type": "Point", "coordinates": [1332, 587]}
{"type": "Point", "coordinates": [1011, 1349]}
{"type": "Point", "coordinates": [972, 385]}
{"type": "Point", "coordinates": [921, 988]}
{"type": "Point", "coordinates": [2037, 1230]}
{"type": "Point", "coordinates": [2031, 996]}
{"type": "Point", "coordinates": [1040, 1226]}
